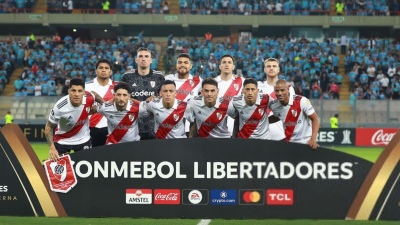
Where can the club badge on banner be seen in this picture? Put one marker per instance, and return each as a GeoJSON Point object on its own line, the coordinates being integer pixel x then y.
{"type": "Point", "coordinates": [61, 174]}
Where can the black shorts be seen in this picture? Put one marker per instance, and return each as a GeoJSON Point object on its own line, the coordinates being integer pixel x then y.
{"type": "Point", "coordinates": [67, 148]}
{"type": "Point", "coordinates": [98, 135]}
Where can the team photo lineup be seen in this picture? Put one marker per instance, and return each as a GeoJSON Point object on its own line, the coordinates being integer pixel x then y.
{"type": "Point", "coordinates": [147, 105]}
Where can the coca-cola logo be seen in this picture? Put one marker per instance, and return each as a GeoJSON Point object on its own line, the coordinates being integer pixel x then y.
{"type": "Point", "coordinates": [167, 196]}
{"type": "Point", "coordinates": [380, 138]}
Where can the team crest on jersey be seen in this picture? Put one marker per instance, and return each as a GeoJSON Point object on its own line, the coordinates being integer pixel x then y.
{"type": "Point", "coordinates": [87, 109]}
{"type": "Point", "coordinates": [152, 84]}
{"type": "Point", "coordinates": [176, 117]}
{"type": "Point", "coordinates": [236, 87]}
{"type": "Point", "coordinates": [191, 83]}
{"type": "Point", "coordinates": [131, 117]}
{"type": "Point", "coordinates": [219, 116]}
{"type": "Point", "coordinates": [261, 111]}
{"type": "Point", "coordinates": [294, 112]}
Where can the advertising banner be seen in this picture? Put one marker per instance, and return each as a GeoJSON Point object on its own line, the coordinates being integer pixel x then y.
{"type": "Point", "coordinates": [374, 137]}
{"type": "Point", "coordinates": [339, 136]}
{"type": "Point", "coordinates": [33, 132]}
{"type": "Point", "coordinates": [198, 178]}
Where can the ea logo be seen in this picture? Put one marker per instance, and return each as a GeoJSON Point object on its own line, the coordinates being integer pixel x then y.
{"type": "Point", "coordinates": [195, 197]}
{"type": "Point", "coordinates": [251, 196]}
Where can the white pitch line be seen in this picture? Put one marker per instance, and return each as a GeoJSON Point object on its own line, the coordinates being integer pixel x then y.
{"type": "Point", "coordinates": [204, 222]}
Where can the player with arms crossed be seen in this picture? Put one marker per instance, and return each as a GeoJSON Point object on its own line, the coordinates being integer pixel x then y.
{"type": "Point", "coordinates": [71, 117]}
{"type": "Point", "coordinates": [229, 85]}
{"type": "Point", "coordinates": [252, 111]}
{"type": "Point", "coordinates": [122, 116]}
{"type": "Point", "coordinates": [145, 83]}
{"type": "Point", "coordinates": [272, 69]}
{"type": "Point", "coordinates": [206, 113]}
{"type": "Point", "coordinates": [168, 113]}
{"type": "Point", "coordinates": [103, 86]}
{"type": "Point", "coordinates": [187, 85]}
{"type": "Point", "coordinates": [300, 122]}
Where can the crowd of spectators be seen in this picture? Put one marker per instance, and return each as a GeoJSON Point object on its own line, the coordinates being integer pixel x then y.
{"type": "Point", "coordinates": [17, 6]}
{"type": "Point", "coordinates": [8, 55]}
{"type": "Point", "coordinates": [52, 62]}
{"type": "Point", "coordinates": [312, 66]}
{"type": "Point", "coordinates": [373, 68]}
{"type": "Point", "coordinates": [207, 7]}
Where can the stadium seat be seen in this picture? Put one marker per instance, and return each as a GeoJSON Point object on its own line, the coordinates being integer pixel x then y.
{"type": "Point", "coordinates": [19, 116]}
{"type": "Point", "coordinates": [45, 105]}
{"type": "Point", "coordinates": [38, 105]}
{"type": "Point", "coordinates": [15, 104]}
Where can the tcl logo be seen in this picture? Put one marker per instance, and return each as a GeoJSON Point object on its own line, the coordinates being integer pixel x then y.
{"type": "Point", "coordinates": [279, 197]}
{"type": "Point", "coordinates": [326, 136]}
{"type": "Point", "coordinates": [3, 188]}
{"type": "Point", "coordinates": [167, 196]}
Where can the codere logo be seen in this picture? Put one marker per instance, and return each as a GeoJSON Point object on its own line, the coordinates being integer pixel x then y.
{"type": "Point", "coordinates": [251, 197]}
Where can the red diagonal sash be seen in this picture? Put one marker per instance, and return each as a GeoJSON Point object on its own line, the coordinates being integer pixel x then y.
{"type": "Point", "coordinates": [209, 124]}
{"type": "Point", "coordinates": [81, 121]}
{"type": "Point", "coordinates": [213, 120]}
{"type": "Point", "coordinates": [95, 118]}
{"type": "Point", "coordinates": [292, 117]}
{"type": "Point", "coordinates": [233, 89]}
{"type": "Point", "coordinates": [248, 128]}
{"type": "Point", "coordinates": [166, 126]}
{"type": "Point", "coordinates": [186, 88]}
{"type": "Point", "coordinates": [124, 125]}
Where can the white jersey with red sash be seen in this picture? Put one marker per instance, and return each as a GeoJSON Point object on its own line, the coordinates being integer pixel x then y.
{"type": "Point", "coordinates": [276, 129]}
{"type": "Point", "coordinates": [72, 122]}
{"type": "Point", "coordinates": [168, 123]}
{"type": "Point", "coordinates": [186, 89]}
{"type": "Point", "coordinates": [227, 90]}
{"type": "Point", "coordinates": [106, 92]}
{"type": "Point", "coordinates": [295, 119]}
{"type": "Point", "coordinates": [122, 125]}
{"type": "Point", "coordinates": [211, 121]}
{"type": "Point", "coordinates": [253, 120]}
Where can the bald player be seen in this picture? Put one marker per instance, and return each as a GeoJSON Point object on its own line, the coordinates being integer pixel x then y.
{"type": "Point", "coordinates": [300, 121]}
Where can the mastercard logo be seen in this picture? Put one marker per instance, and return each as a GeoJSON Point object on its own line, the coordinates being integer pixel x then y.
{"type": "Point", "coordinates": [251, 196]}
